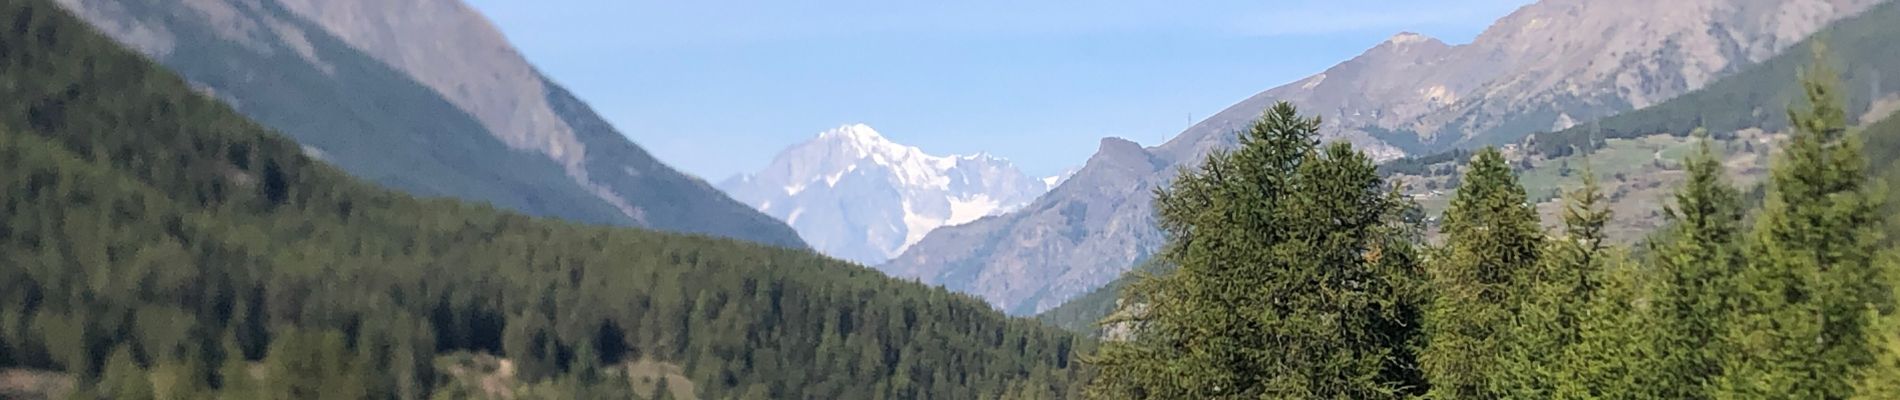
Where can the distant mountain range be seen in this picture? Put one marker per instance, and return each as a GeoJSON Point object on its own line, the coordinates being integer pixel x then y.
{"type": "Point", "coordinates": [1743, 112]}
{"type": "Point", "coordinates": [1545, 67]}
{"type": "Point", "coordinates": [425, 96]}
{"type": "Point", "coordinates": [855, 195]}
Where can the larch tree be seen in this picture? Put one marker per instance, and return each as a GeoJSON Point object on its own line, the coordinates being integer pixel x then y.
{"type": "Point", "coordinates": [1492, 240]}
{"type": "Point", "coordinates": [1812, 267]}
{"type": "Point", "coordinates": [1295, 279]}
{"type": "Point", "coordinates": [1697, 261]}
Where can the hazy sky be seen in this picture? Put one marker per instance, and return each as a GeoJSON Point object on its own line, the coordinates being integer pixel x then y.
{"type": "Point", "coordinates": [718, 87]}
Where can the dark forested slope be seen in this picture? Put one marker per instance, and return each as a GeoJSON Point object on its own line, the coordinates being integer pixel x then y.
{"type": "Point", "coordinates": [149, 232]}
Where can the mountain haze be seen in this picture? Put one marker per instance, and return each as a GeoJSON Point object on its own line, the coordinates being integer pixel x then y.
{"type": "Point", "coordinates": [855, 195]}
{"type": "Point", "coordinates": [1546, 66]}
{"type": "Point", "coordinates": [425, 96]}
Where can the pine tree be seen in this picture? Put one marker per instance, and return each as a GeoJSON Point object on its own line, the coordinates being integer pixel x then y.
{"type": "Point", "coordinates": [1811, 270]}
{"type": "Point", "coordinates": [1293, 279]}
{"type": "Point", "coordinates": [1697, 260]}
{"type": "Point", "coordinates": [1492, 239]}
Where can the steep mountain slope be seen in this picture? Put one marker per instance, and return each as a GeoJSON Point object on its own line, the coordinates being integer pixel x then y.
{"type": "Point", "coordinates": [144, 219]}
{"type": "Point", "coordinates": [1544, 67]}
{"type": "Point", "coordinates": [1054, 247]}
{"type": "Point", "coordinates": [855, 195]}
{"type": "Point", "coordinates": [425, 96]}
{"type": "Point", "coordinates": [1742, 112]}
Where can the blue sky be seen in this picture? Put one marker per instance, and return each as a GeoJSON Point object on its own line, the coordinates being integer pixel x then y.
{"type": "Point", "coordinates": [717, 87]}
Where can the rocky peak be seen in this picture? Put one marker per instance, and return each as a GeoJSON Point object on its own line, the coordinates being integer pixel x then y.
{"type": "Point", "coordinates": [1122, 155]}
{"type": "Point", "coordinates": [857, 136]}
{"type": "Point", "coordinates": [855, 132]}
{"type": "Point", "coordinates": [1112, 146]}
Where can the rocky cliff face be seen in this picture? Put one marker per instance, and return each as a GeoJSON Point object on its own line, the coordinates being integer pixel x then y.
{"type": "Point", "coordinates": [856, 195]}
{"type": "Point", "coordinates": [425, 96]}
{"type": "Point", "coordinates": [1547, 66]}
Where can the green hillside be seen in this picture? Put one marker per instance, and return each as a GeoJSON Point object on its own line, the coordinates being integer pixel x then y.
{"type": "Point", "coordinates": [153, 241]}
{"type": "Point", "coordinates": [1084, 313]}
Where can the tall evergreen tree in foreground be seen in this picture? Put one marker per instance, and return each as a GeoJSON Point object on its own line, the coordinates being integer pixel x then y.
{"type": "Point", "coordinates": [1492, 239]}
{"type": "Point", "coordinates": [1812, 272]}
{"type": "Point", "coordinates": [1559, 293]}
{"type": "Point", "coordinates": [1696, 260]}
{"type": "Point", "coordinates": [1294, 279]}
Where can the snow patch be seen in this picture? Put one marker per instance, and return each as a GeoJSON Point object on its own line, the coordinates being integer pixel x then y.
{"type": "Point", "coordinates": [964, 210]}
{"type": "Point", "coordinates": [1050, 183]}
{"type": "Point", "coordinates": [916, 226]}
{"type": "Point", "coordinates": [832, 181]}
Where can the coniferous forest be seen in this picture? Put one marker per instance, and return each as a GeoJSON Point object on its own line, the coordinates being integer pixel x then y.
{"type": "Point", "coordinates": [155, 245]}
{"type": "Point", "coordinates": [1296, 273]}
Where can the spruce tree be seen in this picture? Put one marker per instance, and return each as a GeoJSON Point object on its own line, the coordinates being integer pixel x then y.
{"type": "Point", "coordinates": [1293, 279]}
{"type": "Point", "coordinates": [1492, 239]}
{"type": "Point", "coordinates": [1811, 271]}
{"type": "Point", "coordinates": [1697, 261]}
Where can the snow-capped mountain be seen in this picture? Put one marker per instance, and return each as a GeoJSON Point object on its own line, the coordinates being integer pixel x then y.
{"type": "Point", "coordinates": [855, 195]}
